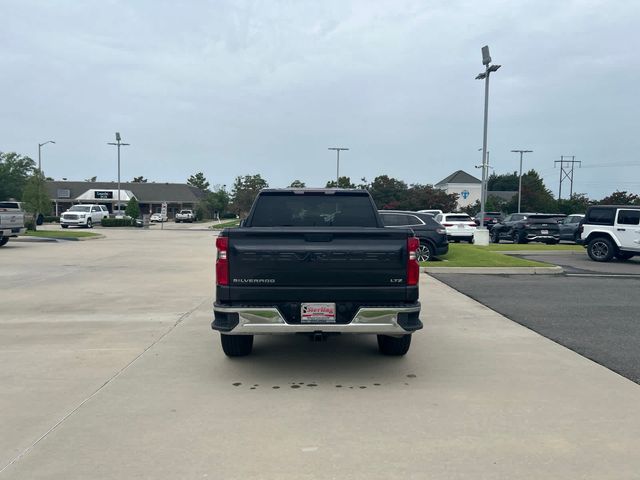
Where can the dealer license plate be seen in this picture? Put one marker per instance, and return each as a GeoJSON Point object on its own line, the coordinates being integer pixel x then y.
{"type": "Point", "coordinates": [318, 313]}
{"type": "Point", "coordinates": [544, 232]}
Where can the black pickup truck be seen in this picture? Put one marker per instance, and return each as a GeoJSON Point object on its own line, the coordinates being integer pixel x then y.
{"type": "Point", "coordinates": [316, 262]}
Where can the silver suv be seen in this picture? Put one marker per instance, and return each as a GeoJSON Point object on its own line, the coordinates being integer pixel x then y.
{"type": "Point", "coordinates": [609, 231]}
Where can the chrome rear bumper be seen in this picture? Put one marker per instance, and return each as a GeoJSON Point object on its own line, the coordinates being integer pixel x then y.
{"type": "Point", "coordinates": [372, 320]}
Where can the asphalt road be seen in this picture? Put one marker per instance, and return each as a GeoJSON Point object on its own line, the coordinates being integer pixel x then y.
{"type": "Point", "coordinates": [110, 371]}
{"type": "Point", "coordinates": [593, 309]}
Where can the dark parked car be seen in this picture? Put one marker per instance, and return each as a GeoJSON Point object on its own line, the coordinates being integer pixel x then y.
{"type": "Point", "coordinates": [432, 235]}
{"type": "Point", "coordinates": [569, 227]}
{"type": "Point", "coordinates": [490, 219]}
{"type": "Point", "coordinates": [527, 227]}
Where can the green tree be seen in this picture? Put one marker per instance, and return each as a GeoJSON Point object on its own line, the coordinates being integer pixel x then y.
{"type": "Point", "coordinates": [15, 170]}
{"type": "Point", "coordinates": [297, 184]}
{"type": "Point", "coordinates": [215, 203]}
{"type": "Point", "coordinates": [343, 182]}
{"type": "Point", "coordinates": [199, 181]}
{"type": "Point", "coordinates": [536, 197]}
{"type": "Point", "coordinates": [578, 203]}
{"type": "Point", "coordinates": [133, 209]}
{"type": "Point", "coordinates": [388, 192]}
{"type": "Point", "coordinates": [507, 182]}
{"type": "Point", "coordinates": [35, 199]}
{"type": "Point", "coordinates": [139, 179]}
{"type": "Point", "coordinates": [620, 198]}
{"type": "Point", "coordinates": [420, 197]}
{"type": "Point", "coordinates": [244, 192]}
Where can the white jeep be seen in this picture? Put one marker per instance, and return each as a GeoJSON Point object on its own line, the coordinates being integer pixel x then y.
{"type": "Point", "coordinates": [609, 231]}
{"type": "Point", "coordinates": [83, 216]}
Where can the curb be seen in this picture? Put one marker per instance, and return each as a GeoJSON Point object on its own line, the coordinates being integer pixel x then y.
{"type": "Point", "coordinates": [33, 239]}
{"type": "Point", "coordinates": [55, 239]}
{"type": "Point", "coordinates": [556, 270]}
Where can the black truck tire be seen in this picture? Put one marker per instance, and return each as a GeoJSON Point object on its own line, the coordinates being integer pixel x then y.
{"type": "Point", "coordinates": [236, 345]}
{"type": "Point", "coordinates": [3, 241]}
{"type": "Point", "coordinates": [395, 346]}
{"type": "Point", "coordinates": [600, 249]}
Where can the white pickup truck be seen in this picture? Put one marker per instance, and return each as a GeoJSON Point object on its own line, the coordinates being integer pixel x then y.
{"type": "Point", "coordinates": [185, 216]}
{"type": "Point", "coordinates": [11, 221]}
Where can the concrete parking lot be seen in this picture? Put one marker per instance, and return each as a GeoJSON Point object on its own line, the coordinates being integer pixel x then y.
{"type": "Point", "coordinates": [110, 371]}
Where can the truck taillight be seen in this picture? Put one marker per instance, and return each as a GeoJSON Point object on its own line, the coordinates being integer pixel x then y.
{"type": "Point", "coordinates": [413, 267]}
{"type": "Point", "coordinates": [222, 261]}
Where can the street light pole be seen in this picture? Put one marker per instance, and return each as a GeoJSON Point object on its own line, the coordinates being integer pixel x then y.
{"type": "Point", "coordinates": [486, 61]}
{"type": "Point", "coordinates": [337, 149]}
{"type": "Point", "coordinates": [520, 176]}
{"type": "Point", "coordinates": [40, 145]}
{"type": "Point", "coordinates": [118, 143]}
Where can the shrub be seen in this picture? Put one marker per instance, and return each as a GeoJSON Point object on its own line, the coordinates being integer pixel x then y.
{"type": "Point", "coordinates": [118, 222]}
{"type": "Point", "coordinates": [48, 219]}
{"type": "Point", "coordinates": [30, 223]}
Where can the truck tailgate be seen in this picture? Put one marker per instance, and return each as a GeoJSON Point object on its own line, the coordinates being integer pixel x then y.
{"type": "Point", "coordinates": [316, 264]}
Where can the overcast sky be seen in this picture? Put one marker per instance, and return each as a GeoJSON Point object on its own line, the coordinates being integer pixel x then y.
{"type": "Point", "coordinates": [242, 87]}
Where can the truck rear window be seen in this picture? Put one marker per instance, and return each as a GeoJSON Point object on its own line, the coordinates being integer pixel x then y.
{"type": "Point", "coordinates": [313, 209]}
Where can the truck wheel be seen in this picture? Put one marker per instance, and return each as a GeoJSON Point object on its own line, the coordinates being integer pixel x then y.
{"type": "Point", "coordinates": [89, 223]}
{"type": "Point", "coordinates": [64, 226]}
{"type": "Point", "coordinates": [236, 345]}
{"type": "Point", "coordinates": [3, 241]}
{"type": "Point", "coordinates": [600, 249]}
{"type": "Point", "coordinates": [494, 237]}
{"type": "Point", "coordinates": [395, 346]}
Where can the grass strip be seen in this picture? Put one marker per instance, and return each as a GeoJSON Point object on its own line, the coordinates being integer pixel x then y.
{"type": "Point", "coordinates": [474, 256]}
{"type": "Point", "coordinates": [513, 247]}
{"type": "Point", "coordinates": [60, 234]}
{"type": "Point", "coordinates": [231, 224]}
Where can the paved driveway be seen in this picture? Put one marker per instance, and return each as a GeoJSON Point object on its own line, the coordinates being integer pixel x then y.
{"type": "Point", "coordinates": [110, 371]}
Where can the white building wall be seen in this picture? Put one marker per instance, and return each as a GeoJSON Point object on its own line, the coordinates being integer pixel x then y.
{"type": "Point", "coordinates": [469, 190]}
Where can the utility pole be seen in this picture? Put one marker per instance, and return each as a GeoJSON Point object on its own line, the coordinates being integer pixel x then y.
{"type": "Point", "coordinates": [337, 149]}
{"type": "Point", "coordinates": [520, 176]}
{"type": "Point", "coordinates": [118, 143]}
{"type": "Point", "coordinates": [566, 172]}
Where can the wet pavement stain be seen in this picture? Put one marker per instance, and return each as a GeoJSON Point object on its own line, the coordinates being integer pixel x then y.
{"type": "Point", "coordinates": [237, 384]}
{"type": "Point", "coordinates": [411, 375]}
{"type": "Point", "coordinates": [376, 384]}
{"type": "Point", "coordinates": [338, 386]}
{"type": "Point", "coordinates": [362, 386]}
{"type": "Point", "coordinates": [311, 385]}
{"type": "Point", "coordinates": [275, 387]}
{"type": "Point", "coordinates": [295, 386]}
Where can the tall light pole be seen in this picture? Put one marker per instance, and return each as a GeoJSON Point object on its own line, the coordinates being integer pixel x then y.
{"type": "Point", "coordinates": [486, 179]}
{"type": "Point", "coordinates": [118, 143]}
{"type": "Point", "coordinates": [486, 61]}
{"type": "Point", "coordinates": [40, 145]}
{"type": "Point", "coordinates": [520, 176]}
{"type": "Point", "coordinates": [337, 149]}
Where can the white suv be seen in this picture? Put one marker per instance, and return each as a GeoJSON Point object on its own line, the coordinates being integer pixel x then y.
{"type": "Point", "coordinates": [83, 216]}
{"type": "Point", "coordinates": [459, 226]}
{"type": "Point", "coordinates": [609, 231]}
